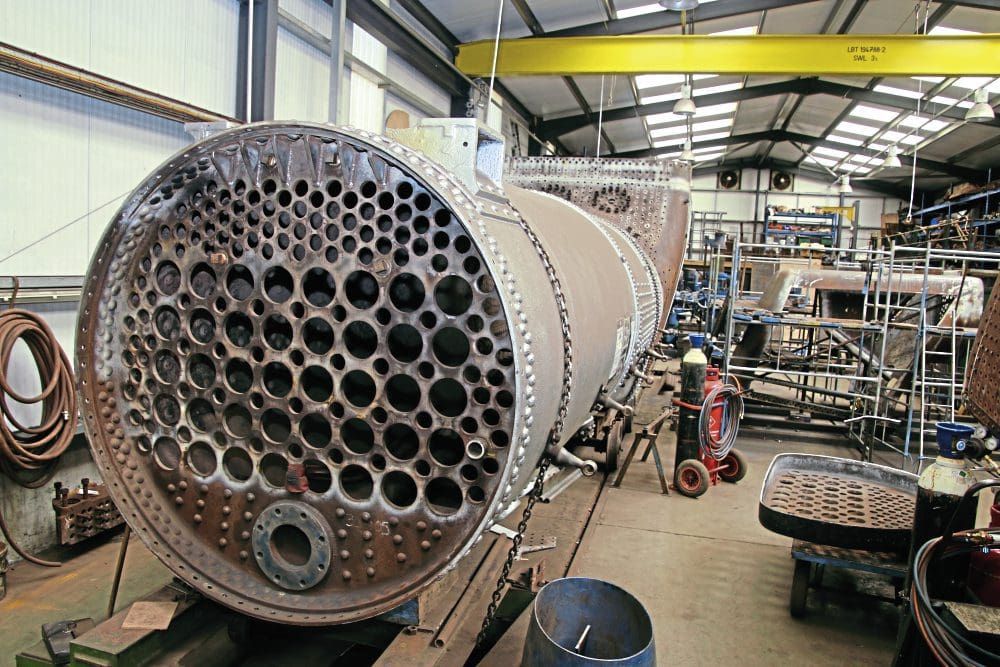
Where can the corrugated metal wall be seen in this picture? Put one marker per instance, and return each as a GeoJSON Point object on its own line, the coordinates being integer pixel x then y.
{"type": "Point", "coordinates": [185, 49]}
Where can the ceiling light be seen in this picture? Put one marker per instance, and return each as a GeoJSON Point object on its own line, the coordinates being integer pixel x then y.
{"type": "Point", "coordinates": [892, 158]}
{"type": "Point", "coordinates": [845, 185]}
{"type": "Point", "coordinates": [981, 111]}
{"type": "Point", "coordinates": [679, 5]}
{"type": "Point", "coordinates": [687, 153]}
{"type": "Point", "coordinates": [685, 106]}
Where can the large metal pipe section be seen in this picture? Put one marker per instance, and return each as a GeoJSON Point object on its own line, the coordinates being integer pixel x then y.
{"type": "Point", "coordinates": [315, 365]}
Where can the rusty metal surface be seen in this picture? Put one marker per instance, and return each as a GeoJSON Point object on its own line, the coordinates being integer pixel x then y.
{"type": "Point", "coordinates": [882, 560]}
{"type": "Point", "coordinates": [983, 383]}
{"type": "Point", "coordinates": [838, 502]}
{"type": "Point", "coordinates": [646, 199]}
{"type": "Point", "coordinates": [280, 322]}
{"type": "Point", "coordinates": [81, 514]}
{"type": "Point", "coordinates": [315, 366]}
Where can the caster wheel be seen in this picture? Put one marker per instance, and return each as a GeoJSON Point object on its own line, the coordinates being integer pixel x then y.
{"type": "Point", "coordinates": [800, 586]}
{"type": "Point", "coordinates": [691, 478]}
{"type": "Point", "coordinates": [735, 467]}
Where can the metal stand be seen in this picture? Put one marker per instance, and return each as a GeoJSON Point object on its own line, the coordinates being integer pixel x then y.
{"type": "Point", "coordinates": [649, 433]}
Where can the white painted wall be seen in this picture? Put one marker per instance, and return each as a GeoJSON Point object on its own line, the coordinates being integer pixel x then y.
{"type": "Point", "coordinates": [185, 49]}
{"type": "Point", "coordinates": [748, 203]}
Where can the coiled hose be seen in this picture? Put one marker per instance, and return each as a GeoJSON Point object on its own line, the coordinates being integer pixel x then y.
{"type": "Point", "coordinates": [730, 397]}
{"type": "Point", "coordinates": [28, 454]}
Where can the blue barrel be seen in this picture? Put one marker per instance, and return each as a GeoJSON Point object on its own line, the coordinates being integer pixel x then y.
{"type": "Point", "coordinates": [581, 621]}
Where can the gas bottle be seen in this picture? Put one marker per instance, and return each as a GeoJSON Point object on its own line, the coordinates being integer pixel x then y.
{"type": "Point", "coordinates": [693, 367]}
{"type": "Point", "coordinates": [939, 492]}
{"type": "Point", "coordinates": [984, 568]}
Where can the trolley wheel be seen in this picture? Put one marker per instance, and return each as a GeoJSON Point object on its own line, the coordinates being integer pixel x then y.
{"type": "Point", "coordinates": [800, 587]}
{"type": "Point", "coordinates": [735, 467]}
{"type": "Point", "coordinates": [613, 445]}
{"type": "Point", "coordinates": [691, 478]}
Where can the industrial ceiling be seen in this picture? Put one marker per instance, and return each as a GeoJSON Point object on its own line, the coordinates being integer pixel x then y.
{"type": "Point", "coordinates": [829, 124]}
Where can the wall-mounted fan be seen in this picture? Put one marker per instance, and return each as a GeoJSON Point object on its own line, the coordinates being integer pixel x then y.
{"type": "Point", "coordinates": [781, 180]}
{"type": "Point", "coordinates": [729, 180]}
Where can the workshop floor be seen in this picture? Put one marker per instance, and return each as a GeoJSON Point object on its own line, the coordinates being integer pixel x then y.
{"type": "Point", "coordinates": [715, 582]}
{"type": "Point", "coordinates": [78, 589]}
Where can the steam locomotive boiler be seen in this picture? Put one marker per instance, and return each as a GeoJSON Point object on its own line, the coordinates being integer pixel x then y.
{"type": "Point", "coordinates": [315, 365]}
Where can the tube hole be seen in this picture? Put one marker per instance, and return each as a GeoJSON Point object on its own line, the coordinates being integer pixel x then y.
{"type": "Point", "coordinates": [443, 495]}
{"type": "Point", "coordinates": [401, 441]}
{"type": "Point", "coordinates": [445, 446]}
{"type": "Point", "coordinates": [356, 482]}
{"type": "Point", "coordinates": [399, 488]}
{"type": "Point", "coordinates": [402, 392]}
{"type": "Point", "coordinates": [278, 284]}
{"type": "Point", "coordinates": [405, 343]}
{"type": "Point", "coordinates": [357, 436]}
{"type": "Point", "coordinates": [360, 339]}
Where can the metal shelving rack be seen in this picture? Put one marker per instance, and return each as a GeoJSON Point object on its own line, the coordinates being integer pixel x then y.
{"type": "Point", "coordinates": [820, 230]}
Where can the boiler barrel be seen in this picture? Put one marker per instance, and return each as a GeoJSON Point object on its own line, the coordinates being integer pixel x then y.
{"type": "Point", "coordinates": [315, 366]}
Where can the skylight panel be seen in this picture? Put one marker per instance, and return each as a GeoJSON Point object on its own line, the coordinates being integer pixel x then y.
{"type": "Point", "coordinates": [709, 158]}
{"type": "Point", "coordinates": [703, 126]}
{"type": "Point", "coordinates": [900, 138]}
{"type": "Point", "coordinates": [826, 162]}
{"type": "Point", "coordinates": [950, 101]}
{"type": "Point", "coordinates": [860, 158]}
{"type": "Point", "coordinates": [898, 92]}
{"type": "Point", "coordinates": [844, 140]}
{"type": "Point", "coordinates": [639, 11]}
{"type": "Point", "coordinates": [833, 152]}
{"type": "Point", "coordinates": [945, 30]}
{"type": "Point", "coordinates": [653, 99]}
{"type": "Point", "coordinates": [645, 9]}
{"type": "Point", "coordinates": [923, 123]}
{"type": "Point", "coordinates": [657, 80]}
{"type": "Point", "coordinates": [976, 82]}
{"type": "Point", "coordinates": [678, 140]}
{"type": "Point", "coordinates": [721, 88]}
{"type": "Point", "coordinates": [702, 112]}
{"type": "Point", "coordinates": [874, 113]}
{"type": "Point", "coordinates": [855, 128]}
{"type": "Point", "coordinates": [746, 30]}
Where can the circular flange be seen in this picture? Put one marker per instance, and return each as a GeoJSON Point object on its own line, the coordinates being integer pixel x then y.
{"type": "Point", "coordinates": [291, 543]}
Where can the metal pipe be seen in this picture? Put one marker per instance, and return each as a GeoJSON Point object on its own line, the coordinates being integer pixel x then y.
{"type": "Point", "coordinates": [316, 365]}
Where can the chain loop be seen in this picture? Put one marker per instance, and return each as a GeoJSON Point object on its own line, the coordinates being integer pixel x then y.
{"type": "Point", "coordinates": [555, 435]}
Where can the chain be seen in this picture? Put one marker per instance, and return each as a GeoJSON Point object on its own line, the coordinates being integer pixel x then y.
{"type": "Point", "coordinates": [555, 435]}
{"type": "Point", "coordinates": [515, 546]}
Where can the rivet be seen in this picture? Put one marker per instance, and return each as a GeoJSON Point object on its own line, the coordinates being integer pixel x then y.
{"type": "Point", "coordinates": [200, 504]}
{"type": "Point", "coordinates": [393, 521]}
{"type": "Point", "coordinates": [367, 535]}
{"type": "Point", "coordinates": [341, 534]}
{"type": "Point", "coordinates": [400, 558]}
{"type": "Point", "coordinates": [223, 541]}
{"type": "Point", "coordinates": [178, 500]}
{"type": "Point", "coordinates": [397, 539]}
{"type": "Point", "coordinates": [245, 535]}
{"type": "Point", "coordinates": [369, 554]}
{"type": "Point", "coordinates": [251, 497]}
{"type": "Point", "coordinates": [244, 555]}
{"type": "Point", "coordinates": [171, 488]}
{"type": "Point", "coordinates": [227, 510]}
{"type": "Point", "coordinates": [425, 545]}
{"type": "Point", "coordinates": [203, 489]}
{"type": "Point", "coordinates": [340, 512]}
{"type": "Point", "coordinates": [247, 516]}
{"type": "Point", "coordinates": [421, 525]}
{"type": "Point", "coordinates": [182, 485]}
{"type": "Point", "coordinates": [196, 518]}
{"type": "Point", "coordinates": [436, 534]}
{"type": "Point", "coordinates": [345, 554]}
{"type": "Point", "coordinates": [346, 574]}
{"type": "Point", "coordinates": [370, 572]}
{"type": "Point", "coordinates": [366, 516]}
{"type": "Point", "coordinates": [224, 525]}
{"type": "Point", "coordinates": [227, 493]}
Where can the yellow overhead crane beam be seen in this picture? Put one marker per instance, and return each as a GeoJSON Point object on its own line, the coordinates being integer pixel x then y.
{"type": "Point", "coordinates": [801, 55]}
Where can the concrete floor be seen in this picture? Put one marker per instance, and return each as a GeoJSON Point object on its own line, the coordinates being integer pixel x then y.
{"type": "Point", "coordinates": [715, 582]}
{"type": "Point", "coordinates": [79, 589]}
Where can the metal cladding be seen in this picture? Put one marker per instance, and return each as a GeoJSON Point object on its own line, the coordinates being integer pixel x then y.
{"type": "Point", "coordinates": [315, 365]}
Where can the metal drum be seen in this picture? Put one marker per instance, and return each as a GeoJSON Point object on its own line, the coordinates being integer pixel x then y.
{"type": "Point", "coordinates": [316, 365]}
{"type": "Point", "coordinates": [582, 621]}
